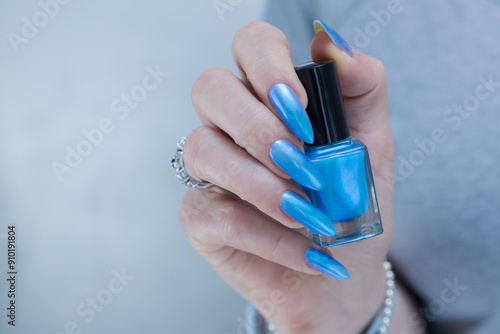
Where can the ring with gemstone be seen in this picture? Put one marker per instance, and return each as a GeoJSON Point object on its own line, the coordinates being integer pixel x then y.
{"type": "Point", "coordinates": [181, 171]}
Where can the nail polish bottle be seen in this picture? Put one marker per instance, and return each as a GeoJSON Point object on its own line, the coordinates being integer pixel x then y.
{"type": "Point", "coordinates": [349, 199]}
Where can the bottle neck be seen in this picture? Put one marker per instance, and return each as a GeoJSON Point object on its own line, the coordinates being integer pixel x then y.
{"type": "Point", "coordinates": [344, 142]}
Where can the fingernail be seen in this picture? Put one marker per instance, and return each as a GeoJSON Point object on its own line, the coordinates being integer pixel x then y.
{"type": "Point", "coordinates": [291, 111]}
{"type": "Point", "coordinates": [326, 264]}
{"type": "Point", "coordinates": [334, 36]}
{"type": "Point", "coordinates": [295, 163]}
{"type": "Point", "coordinates": [306, 214]}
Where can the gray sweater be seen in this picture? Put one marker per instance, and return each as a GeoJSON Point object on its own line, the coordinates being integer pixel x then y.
{"type": "Point", "coordinates": [442, 62]}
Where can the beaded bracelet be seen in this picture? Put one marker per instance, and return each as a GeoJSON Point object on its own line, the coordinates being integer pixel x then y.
{"type": "Point", "coordinates": [382, 320]}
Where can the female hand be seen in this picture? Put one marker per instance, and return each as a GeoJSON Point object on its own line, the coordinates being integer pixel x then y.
{"type": "Point", "coordinates": [239, 227]}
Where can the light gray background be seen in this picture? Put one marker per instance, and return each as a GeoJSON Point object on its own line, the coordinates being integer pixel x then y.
{"type": "Point", "coordinates": [118, 208]}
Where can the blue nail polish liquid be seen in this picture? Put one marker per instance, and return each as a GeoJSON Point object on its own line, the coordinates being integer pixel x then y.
{"type": "Point", "coordinates": [349, 199]}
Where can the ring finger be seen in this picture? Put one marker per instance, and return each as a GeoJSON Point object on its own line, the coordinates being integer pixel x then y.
{"type": "Point", "coordinates": [212, 156]}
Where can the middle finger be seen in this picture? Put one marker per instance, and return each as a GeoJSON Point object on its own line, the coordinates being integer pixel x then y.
{"type": "Point", "coordinates": [252, 126]}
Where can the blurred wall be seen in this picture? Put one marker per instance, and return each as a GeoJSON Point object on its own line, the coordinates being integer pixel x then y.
{"type": "Point", "coordinates": [99, 248]}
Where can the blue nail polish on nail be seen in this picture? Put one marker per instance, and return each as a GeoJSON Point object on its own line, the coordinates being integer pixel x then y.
{"type": "Point", "coordinates": [334, 36]}
{"type": "Point", "coordinates": [306, 214]}
{"type": "Point", "coordinates": [326, 264]}
{"type": "Point", "coordinates": [291, 111]}
{"type": "Point", "coordinates": [293, 162]}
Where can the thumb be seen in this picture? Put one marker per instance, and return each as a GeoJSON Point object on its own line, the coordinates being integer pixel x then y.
{"type": "Point", "coordinates": [363, 85]}
{"type": "Point", "coordinates": [362, 82]}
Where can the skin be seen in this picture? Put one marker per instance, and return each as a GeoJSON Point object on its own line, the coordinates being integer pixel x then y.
{"type": "Point", "coordinates": [238, 226]}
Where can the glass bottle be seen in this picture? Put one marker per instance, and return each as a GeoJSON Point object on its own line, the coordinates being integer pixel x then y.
{"type": "Point", "coordinates": [349, 198]}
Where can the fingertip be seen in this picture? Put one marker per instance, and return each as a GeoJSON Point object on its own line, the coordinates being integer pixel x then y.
{"type": "Point", "coordinates": [306, 214]}
{"type": "Point", "coordinates": [358, 74]}
{"type": "Point", "coordinates": [323, 48]}
{"type": "Point", "coordinates": [334, 36]}
{"type": "Point", "coordinates": [296, 164]}
{"type": "Point", "coordinates": [325, 264]}
{"type": "Point", "coordinates": [291, 111]}
{"type": "Point", "coordinates": [309, 135]}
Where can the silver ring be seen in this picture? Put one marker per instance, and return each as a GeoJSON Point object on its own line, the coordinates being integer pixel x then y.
{"type": "Point", "coordinates": [182, 173]}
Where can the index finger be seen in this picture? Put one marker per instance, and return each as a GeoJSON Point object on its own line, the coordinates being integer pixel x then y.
{"type": "Point", "coordinates": [262, 53]}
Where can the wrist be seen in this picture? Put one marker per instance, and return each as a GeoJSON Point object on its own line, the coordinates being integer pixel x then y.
{"type": "Point", "coordinates": [363, 304]}
{"type": "Point", "coordinates": [351, 306]}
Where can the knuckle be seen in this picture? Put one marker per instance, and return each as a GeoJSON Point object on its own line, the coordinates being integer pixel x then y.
{"type": "Point", "coordinates": [194, 145]}
{"type": "Point", "coordinates": [254, 119]}
{"type": "Point", "coordinates": [209, 81]}
{"type": "Point", "coordinates": [248, 193]}
{"type": "Point", "coordinates": [271, 64]}
{"type": "Point", "coordinates": [230, 217]}
{"type": "Point", "coordinates": [258, 29]}
{"type": "Point", "coordinates": [276, 246]}
{"type": "Point", "coordinates": [219, 222]}
{"type": "Point", "coordinates": [226, 174]}
{"type": "Point", "coordinates": [273, 50]}
{"type": "Point", "coordinates": [379, 70]}
{"type": "Point", "coordinates": [259, 130]}
{"type": "Point", "coordinates": [197, 216]}
{"type": "Point", "coordinates": [189, 217]}
{"type": "Point", "coordinates": [186, 213]}
{"type": "Point", "coordinates": [192, 208]}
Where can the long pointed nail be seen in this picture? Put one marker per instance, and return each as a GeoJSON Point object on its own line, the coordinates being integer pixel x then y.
{"type": "Point", "coordinates": [296, 164]}
{"type": "Point", "coordinates": [291, 111]}
{"type": "Point", "coordinates": [334, 36]}
{"type": "Point", "coordinates": [326, 264]}
{"type": "Point", "coordinates": [306, 214]}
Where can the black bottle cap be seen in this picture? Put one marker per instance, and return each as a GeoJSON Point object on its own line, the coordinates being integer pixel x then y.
{"type": "Point", "coordinates": [325, 106]}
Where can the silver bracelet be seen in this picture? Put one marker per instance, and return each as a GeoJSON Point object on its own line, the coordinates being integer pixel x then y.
{"type": "Point", "coordinates": [382, 320]}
